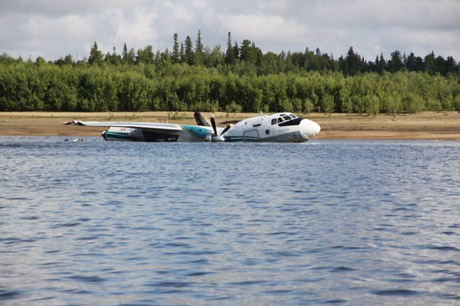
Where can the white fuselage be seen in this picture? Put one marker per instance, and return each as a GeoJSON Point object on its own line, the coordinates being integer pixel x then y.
{"type": "Point", "coordinates": [280, 127]}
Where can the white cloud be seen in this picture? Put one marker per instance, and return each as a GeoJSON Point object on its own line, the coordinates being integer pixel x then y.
{"type": "Point", "coordinates": [64, 7]}
{"type": "Point", "coordinates": [268, 28]}
{"type": "Point", "coordinates": [377, 14]}
{"type": "Point", "coordinates": [54, 28]}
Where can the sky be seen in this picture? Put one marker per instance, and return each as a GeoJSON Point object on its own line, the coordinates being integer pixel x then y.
{"type": "Point", "coordinates": [56, 28]}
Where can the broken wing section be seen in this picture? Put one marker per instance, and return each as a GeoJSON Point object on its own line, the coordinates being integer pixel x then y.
{"type": "Point", "coordinates": [138, 131]}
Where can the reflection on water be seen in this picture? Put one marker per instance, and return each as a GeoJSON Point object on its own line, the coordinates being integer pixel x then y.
{"type": "Point", "coordinates": [343, 222]}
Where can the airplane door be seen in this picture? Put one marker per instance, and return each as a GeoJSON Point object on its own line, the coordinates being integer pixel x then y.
{"type": "Point", "coordinates": [251, 135]}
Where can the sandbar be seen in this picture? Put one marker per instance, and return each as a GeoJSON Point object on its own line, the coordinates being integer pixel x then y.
{"type": "Point", "coordinates": [421, 126]}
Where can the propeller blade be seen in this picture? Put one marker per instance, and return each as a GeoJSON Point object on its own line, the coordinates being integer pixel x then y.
{"type": "Point", "coordinates": [213, 122]}
{"type": "Point", "coordinates": [226, 129]}
{"type": "Point", "coordinates": [200, 119]}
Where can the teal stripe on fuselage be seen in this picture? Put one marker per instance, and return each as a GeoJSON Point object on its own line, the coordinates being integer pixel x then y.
{"type": "Point", "coordinates": [117, 135]}
{"type": "Point", "coordinates": [197, 131]}
{"type": "Point", "coordinates": [240, 138]}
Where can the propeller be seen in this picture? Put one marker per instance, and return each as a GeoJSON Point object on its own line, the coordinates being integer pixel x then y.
{"type": "Point", "coordinates": [226, 129]}
{"type": "Point", "coordinates": [215, 137]}
{"type": "Point", "coordinates": [200, 119]}
{"type": "Point", "coordinates": [213, 123]}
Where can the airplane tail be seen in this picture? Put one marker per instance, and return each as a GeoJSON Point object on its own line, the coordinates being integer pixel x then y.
{"type": "Point", "coordinates": [200, 120]}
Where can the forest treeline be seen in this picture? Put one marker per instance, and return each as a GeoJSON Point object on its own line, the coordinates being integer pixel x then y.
{"type": "Point", "coordinates": [241, 78]}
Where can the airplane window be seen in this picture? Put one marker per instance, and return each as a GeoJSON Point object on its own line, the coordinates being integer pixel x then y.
{"type": "Point", "coordinates": [280, 120]}
{"type": "Point", "coordinates": [274, 121]}
{"type": "Point", "coordinates": [287, 117]}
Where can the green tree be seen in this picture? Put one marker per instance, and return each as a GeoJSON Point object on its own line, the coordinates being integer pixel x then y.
{"type": "Point", "coordinates": [199, 58]}
{"type": "Point", "coordinates": [112, 58]}
{"type": "Point", "coordinates": [230, 53]}
{"type": "Point", "coordinates": [128, 56]}
{"type": "Point", "coordinates": [182, 53]}
{"type": "Point", "coordinates": [215, 57]}
{"type": "Point", "coordinates": [40, 61]}
{"type": "Point", "coordinates": [145, 55]}
{"type": "Point", "coordinates": [327, 103]}
{"type": "Point", "coordinates": [125, 53]}
{"type": "Point", "coordinates": [308, 106]}
{"type": "Point", "coordinates": [430, 63]}
{"type": "Point", "coordinates": [354, 62]}
{"type": "Point", "coordinates": [411, 62]}
{"type": "Point", "coordinates": [95, 56]}
{"type": "Point", "coordinates": [457, 103]}
{"type": "Point", "coordinates": [451, 65]}
{"type": "Point", "coordinates": [249, 52]}
{"type": "Point", "coordinates": [189, 54]}
{"type": "Point", "coordinates": [5, 59]}
{"type": "Point", "coordinates": [236, 51]}
{"type": "Point", "coordinates": [380, 64]}
{"type": "Point", "coordinates": [175, 54]}
{"type": "Point", "coordinates": [395, 63]}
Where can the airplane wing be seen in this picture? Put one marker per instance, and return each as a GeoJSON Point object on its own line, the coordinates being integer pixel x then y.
{"type": "Point", "coordinates": [134, 125]}
{"type": "Point", "coordinates": [139, 131]}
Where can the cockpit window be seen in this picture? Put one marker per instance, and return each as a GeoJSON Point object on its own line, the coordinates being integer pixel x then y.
{"type": "Point", "coordinates": [293, 116]}
{"type": "Point", "coordinates": [280, 120]}
{"type": "Point", "coordinates": [287, 118]}
{"type": "Point", "coordinates": [274, 121]}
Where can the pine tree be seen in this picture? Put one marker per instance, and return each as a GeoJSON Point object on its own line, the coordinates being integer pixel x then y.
{"type": "Point", "coordinates": [198, 50]}
{"type": "Point", "coordinates": [236, 51]}
{"type": "Point", "coordinates": [175, 53]}
{"type": "Point", "coordinates": [95, 56]}
{"type": "Point", "coordinates": [430, 63]}
{"type": "Point", "coordinates": [451, 65]}
{"type": "Point", "coordinates": [395, 64]}
{"type": "Point", "coordinates": [182, 53]}
{"type": "Point", "coordinates": [441, 65]}
{"type": "Point", "coordinates": [381, 65]}
{"type": "Point", "coordinates": [130, 56]}
{"type": "Point", "coordinates": [189, 54]}
{"type": "Point", "coordinates": [245, 50]}
{"type": "Point", "coordinates": [354, 62]}
{"type": "Point", "coordinates": [410, 62]}
{"type": "Point", "coordinates": [230, 54]}
{"type": "Point", "coordinates": [125, 53]}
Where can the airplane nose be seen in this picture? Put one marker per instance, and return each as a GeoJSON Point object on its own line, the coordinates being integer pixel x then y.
{"type": "Point", "coordinates": [309, 128]}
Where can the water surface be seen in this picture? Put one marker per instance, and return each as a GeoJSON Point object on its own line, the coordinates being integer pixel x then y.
{"type": "Point", "coordinates": [324, 222]}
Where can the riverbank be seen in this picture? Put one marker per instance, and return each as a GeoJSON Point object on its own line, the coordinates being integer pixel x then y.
{"type": "Point", "coordinates": [422, 126]}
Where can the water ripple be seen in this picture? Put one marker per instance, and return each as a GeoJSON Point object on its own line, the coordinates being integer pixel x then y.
{"type": "Point", "coordinates": [326, 222]}
{"type": "Point", "coordinates": [396, 292]}
{"type": "Point", "coordinates": [87, 279]}
{"type": "Point", "coordinates": [8, 294]}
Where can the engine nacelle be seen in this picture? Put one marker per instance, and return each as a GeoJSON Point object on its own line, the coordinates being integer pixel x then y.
{"type": "Point", "coordinates": [214, 138]}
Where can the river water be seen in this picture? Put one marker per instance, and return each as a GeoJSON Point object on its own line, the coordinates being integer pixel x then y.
{"type": "Point", "coordinates": [324, 222]}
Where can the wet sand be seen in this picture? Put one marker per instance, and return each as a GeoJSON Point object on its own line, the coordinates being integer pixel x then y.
{"type": "Point", "coordinates": [423, 126]}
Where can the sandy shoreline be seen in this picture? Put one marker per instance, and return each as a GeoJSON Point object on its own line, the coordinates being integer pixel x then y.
{"type": "Point", "coordinates": [423, 126]}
